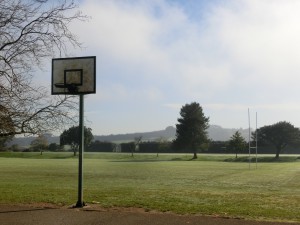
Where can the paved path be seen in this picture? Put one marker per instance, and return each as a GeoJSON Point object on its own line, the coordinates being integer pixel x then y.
{"type": "Point", "coordinates": [50, 215]}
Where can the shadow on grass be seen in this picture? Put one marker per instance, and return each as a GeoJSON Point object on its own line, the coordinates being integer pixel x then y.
{"type": "Point", "coordinates": [154, 159]}
{"type": "Point", "coordinates": [267, 159]}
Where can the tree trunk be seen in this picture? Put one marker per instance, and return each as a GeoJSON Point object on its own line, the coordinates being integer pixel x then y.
{"type": "Point", "coordinates": [195, 155]}
{"type": "Point", "coordinates": [236, 155]}
{"type": "Point", "coordinates": [278, 150]}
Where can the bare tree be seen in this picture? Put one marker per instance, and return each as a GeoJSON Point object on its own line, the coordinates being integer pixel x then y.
{"type": "Point", "coordinates": [30, 33]}
{"type": "Point", "coordinates": [40, 143]}
{"type": "Point", "coordinates": [135, 146]}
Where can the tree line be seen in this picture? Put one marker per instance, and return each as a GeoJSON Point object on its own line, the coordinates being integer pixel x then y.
{"type": "Point", "coordinates": [191, 137]}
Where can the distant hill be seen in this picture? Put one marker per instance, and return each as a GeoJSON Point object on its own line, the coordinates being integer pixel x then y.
{"type": "Point", "coordinates": [215, 132]}
{"type": "Point", "coordinates": [24, 142]}
{"type": "Point", "coordinates": [167, 134]}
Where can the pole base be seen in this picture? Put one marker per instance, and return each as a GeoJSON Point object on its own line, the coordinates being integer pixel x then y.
{"type": "Point", "coordinates": [80, 204]}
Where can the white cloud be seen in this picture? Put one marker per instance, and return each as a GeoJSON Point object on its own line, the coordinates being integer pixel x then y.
{"type": "Point", "coordinates": [160, 49]}
{"type": "Point", "coordinates": [261, 38]}
{"type": "Point", "coordinates": [122, 32]}
{"type": "Point", "coordinates": [176, 106]}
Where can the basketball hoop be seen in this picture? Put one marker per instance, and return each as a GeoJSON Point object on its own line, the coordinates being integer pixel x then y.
{"type": "Point", "coordinates": [72, 88]}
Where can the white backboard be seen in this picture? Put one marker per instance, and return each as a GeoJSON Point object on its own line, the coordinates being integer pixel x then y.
{"type": "Point", "coordinates": [73, 76]}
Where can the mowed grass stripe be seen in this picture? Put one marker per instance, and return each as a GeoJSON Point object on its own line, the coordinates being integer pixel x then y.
{"type": "Point", "coordinates": [207, 187]}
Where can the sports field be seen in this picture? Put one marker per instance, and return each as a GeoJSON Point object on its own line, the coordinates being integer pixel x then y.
{"type": "Point", "coordinates": [171, 182]}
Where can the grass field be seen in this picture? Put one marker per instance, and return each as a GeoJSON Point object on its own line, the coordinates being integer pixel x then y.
{"type": "Point", "coordinates": [207, 186]}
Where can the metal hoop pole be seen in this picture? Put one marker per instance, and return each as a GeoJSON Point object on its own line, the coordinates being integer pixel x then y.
{"type": "Point", "coordinates": [80, 202]}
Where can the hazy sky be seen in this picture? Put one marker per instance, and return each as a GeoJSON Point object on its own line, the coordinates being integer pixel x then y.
{"type": "Point", "coordinates": [155, 56]}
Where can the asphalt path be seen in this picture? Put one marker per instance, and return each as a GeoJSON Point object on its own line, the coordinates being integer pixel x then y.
{"type": "Point", "coordinates": [93, 215]}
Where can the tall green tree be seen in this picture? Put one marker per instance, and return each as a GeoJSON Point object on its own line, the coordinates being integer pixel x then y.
{"type": "Point", "coordinates": [71, 137]}
{"type": "Point", "coordinates": [279, 134]}
{"type": "Point", "coordinates": [191, 130]}
{"type": "Point", "coordinates": [237, 143]}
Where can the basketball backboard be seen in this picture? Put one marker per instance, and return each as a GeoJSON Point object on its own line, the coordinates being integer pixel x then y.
{"type": "Point", "coordinates": [73, 76]}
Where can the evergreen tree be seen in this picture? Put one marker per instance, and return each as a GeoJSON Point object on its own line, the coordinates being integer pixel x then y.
{"type": "Point", "coordinates": [237, 143]}
{"type": "Point", "coordinates": [191, 130]}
